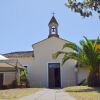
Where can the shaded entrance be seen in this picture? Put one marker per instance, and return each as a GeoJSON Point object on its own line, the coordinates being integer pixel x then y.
{"type": "Point", "coordinates": [1, 80]}
{"type": "Point", "coordinates": [54, 77]}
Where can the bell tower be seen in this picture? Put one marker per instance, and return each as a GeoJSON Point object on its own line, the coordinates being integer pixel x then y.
{"type": "Point", "coordinates": [53, 27]}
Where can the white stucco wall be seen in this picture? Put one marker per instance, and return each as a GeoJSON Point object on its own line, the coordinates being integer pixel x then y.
{"type": "Point", "coordinates": [8, 77]}
{"type": "Point", "coordinates": [82, 74]}
{"type": "Point", "coordinates": [43, 55]}
{"type": "Point", "coordinates": [27, 61]}
{"type": "Point", "coordinates": [38, 66]}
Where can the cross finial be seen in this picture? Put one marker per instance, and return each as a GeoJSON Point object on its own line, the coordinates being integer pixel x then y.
{"type": "Point", "coordinates": [53, 13]}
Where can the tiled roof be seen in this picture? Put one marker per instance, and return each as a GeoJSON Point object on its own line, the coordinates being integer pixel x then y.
{"type": "Point", "coordinates": [19, 54]}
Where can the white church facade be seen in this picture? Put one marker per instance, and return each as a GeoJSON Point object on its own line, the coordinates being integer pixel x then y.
{"type": "Point", "coordinates": [43, 70]}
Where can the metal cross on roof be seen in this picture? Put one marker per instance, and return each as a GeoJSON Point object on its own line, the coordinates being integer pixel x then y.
{"type": "Point", "coordinates": [53, 13]}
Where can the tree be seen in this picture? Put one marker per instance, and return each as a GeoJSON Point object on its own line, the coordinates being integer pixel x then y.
{"type": "Point", "coordinates": [85, 8]}
{"type": "Point", "coordinates": [87, 55]}
{"type": "Point", "coordinates": [23, 78]}
{"type": "Point", "coordinates": [23, 75]}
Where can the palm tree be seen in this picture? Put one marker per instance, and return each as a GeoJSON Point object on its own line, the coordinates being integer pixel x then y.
{"type": "Point", "coordinates": [87, 55]}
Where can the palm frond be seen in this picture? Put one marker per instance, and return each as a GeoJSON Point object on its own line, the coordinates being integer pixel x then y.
{"type": "Point", "coordinates": [71, 45]}
{"type": "Point", "coordinates": [56, 54]}
{"type": "Point", "coordinates": [65, 58]}
{"type": "Point", "coordinates": [86, 55]}
{"type": "Point", "coordinates": [69, 55]}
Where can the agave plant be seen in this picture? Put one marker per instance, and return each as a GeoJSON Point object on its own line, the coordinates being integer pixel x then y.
{"type": "Point", "coordinates": [87, 55]}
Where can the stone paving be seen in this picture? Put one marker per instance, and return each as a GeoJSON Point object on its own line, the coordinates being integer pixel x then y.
{"type": "Point", "coordinates": [49, 94]}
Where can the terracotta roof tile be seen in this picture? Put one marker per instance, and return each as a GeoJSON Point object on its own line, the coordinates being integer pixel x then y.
{"type": "Point", "coordinates": [19, 54]}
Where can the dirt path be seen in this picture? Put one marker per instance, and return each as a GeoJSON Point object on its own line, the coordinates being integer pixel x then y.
{"type": "Point", "coordinates": [49, 94]}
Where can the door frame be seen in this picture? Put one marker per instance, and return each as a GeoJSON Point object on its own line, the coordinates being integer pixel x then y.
{"type": "Point", "coordinates": [48, 73]}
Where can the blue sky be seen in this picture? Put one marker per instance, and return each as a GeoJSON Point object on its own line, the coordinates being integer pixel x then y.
{"type": "Point", "coordinates": [24, 22]}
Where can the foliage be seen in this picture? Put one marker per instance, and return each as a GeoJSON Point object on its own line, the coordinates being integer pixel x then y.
{"type": "Point", "coordinates": [23, 78]}
{"type": "Point", "coordinates": [84, 7]}
{"type": "Point", "coordinates": [86, 54]}
{"type": "Point", "coordinates": [23, 75]}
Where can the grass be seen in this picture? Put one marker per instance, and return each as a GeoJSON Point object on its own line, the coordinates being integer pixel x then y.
{"type": "Point", "coordinates": [84, 92]}
{"type": "Point", "coordinates": [14, 94]}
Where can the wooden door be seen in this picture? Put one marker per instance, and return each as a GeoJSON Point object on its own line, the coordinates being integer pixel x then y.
{"type": "Point", "coordinates": [54, 77]}
{"type": "Point", "coordinates": [1, 80]}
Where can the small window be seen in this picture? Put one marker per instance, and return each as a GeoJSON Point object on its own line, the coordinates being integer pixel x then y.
{"type": "Point", "coordinates": [53, 65]}
{"type": "Point", "coordinates": [25, 66]}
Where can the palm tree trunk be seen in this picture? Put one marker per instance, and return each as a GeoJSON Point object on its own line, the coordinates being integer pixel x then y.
{"type": "Point", "coordinates": [94, 78]}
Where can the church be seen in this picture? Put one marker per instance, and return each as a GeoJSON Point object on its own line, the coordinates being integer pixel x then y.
{"type": "Point", "coordinates": [43, 70]}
